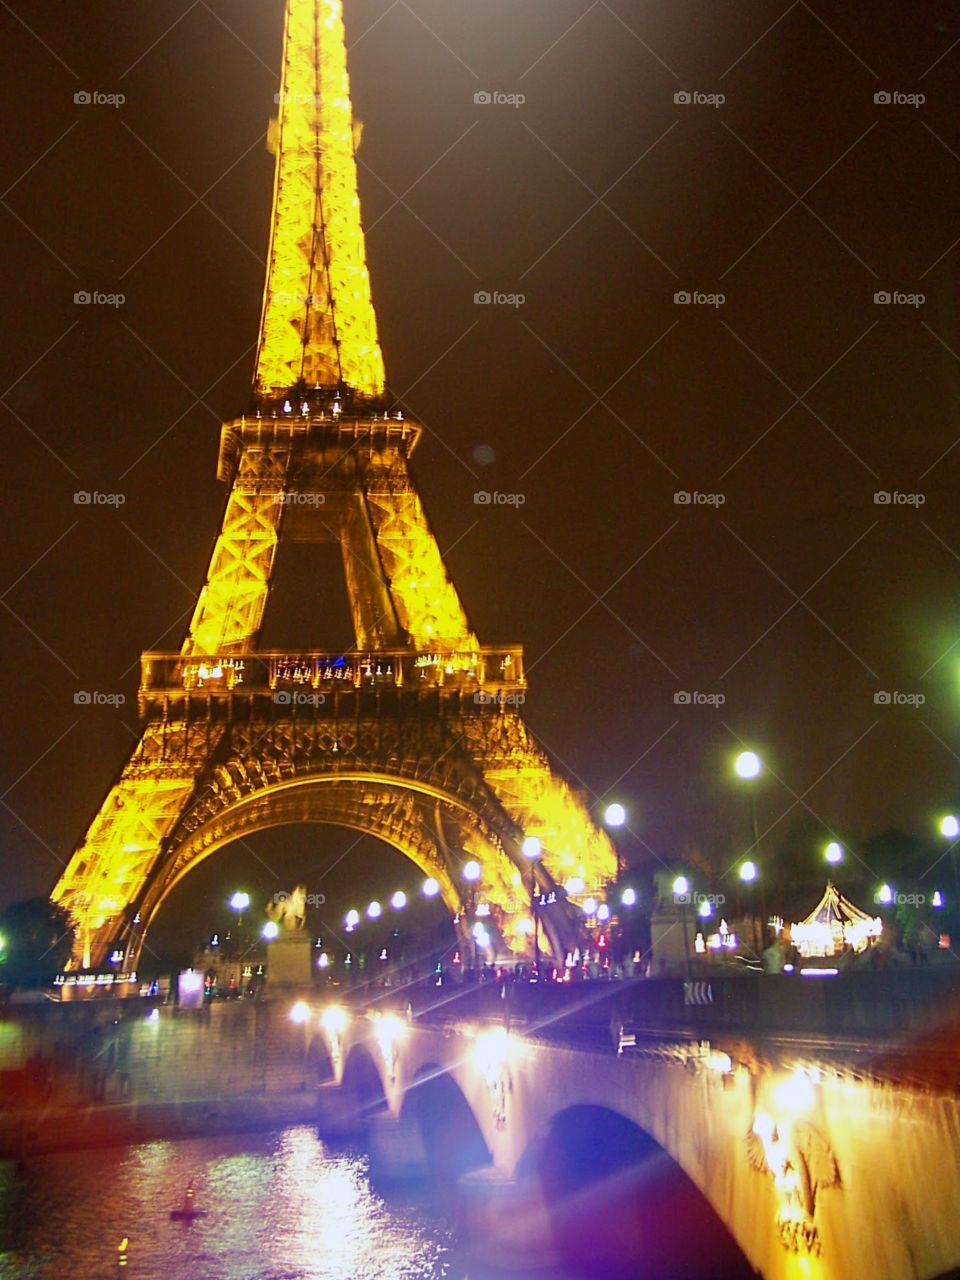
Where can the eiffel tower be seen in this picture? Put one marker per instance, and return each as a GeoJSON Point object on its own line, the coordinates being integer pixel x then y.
{"type": "Point", "coordinates": [416, 736]}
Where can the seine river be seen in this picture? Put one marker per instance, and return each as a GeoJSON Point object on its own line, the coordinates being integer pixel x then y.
{"type": "Point", "coordinates": [279, 1206]}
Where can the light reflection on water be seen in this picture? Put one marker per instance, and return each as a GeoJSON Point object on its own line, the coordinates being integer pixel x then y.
{"type": "Point", "coordinates": [279, 1206]}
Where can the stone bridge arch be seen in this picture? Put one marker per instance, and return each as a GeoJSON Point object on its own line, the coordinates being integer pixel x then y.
{"type": "Point", "coordinates": [450, 1132]}
{"type": "Point", "coordinates": [616, 1203]}
{"type": "Point", "coordinates": [362, 1086]}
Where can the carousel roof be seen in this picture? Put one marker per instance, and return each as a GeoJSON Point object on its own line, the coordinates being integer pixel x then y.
{"type": "Point", "coordinates": [833, 907]}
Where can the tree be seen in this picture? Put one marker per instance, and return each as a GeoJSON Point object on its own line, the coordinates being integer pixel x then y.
{"type": "Point", "coordinates": [37, 937]}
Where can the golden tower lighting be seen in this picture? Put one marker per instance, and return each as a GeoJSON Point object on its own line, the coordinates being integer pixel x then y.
{"type": "Point", "coordinates": [399, 738]}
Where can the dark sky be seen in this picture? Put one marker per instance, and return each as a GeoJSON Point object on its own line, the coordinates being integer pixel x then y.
{"type": "Point", "coordinates": [600, 197]}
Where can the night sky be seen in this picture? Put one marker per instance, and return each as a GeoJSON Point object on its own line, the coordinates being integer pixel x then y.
{"type": "Point", "coordinates": [798, 198]}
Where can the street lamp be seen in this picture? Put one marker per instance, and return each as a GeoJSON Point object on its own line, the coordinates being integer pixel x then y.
{"type": "Point", "coordinates": [471, 871]}
{"type": "Point", "coordinates": [239, 902]}
{"type": "Point", "coordinates": [615, 815]}
{"type": "Point", "coordinates": [374, 909]}
{"type": "Point", "coordinates": [950, 828]}
{"type": "Point", "coordinates": [833, 852]}
{"type": "Point", "coordinates": [532, 850]}
{"type": "Point", "coordinates": [748, 874]}
{"type": "Point", "coordinates": [431, 887]}
{"type": "Point", "coordinates": [749, 766]}
{"type": "Point", "coordinates": [270, 930]}
{"type": "Point", "coordinates": [399, 900]}
{"type": "Point", "coordinates": [629, 897]}
{"type": "Point", "coordinates": [681, 895]}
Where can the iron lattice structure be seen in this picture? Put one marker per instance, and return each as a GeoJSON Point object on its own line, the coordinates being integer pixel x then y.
{"type": "Point", "coordinates": [417, 736]}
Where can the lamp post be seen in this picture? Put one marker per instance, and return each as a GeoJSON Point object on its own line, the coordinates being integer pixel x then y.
{"type": "Point", "coordinates": [748, 874]}
{"type": "Point", "coordinates": [614, 816]}
{"type": "Point", "coordinates": [471, 873]}
{"type": "Point", "coordinates": [532, 851]}
{"type": "Point", "coordinates": [239, 902]}
{"type": "Point", "coordinates": [950, 829]}
{"type": "Point", "coordinates": [749, 767]}
{"type": "Point", "coordinates": [681, 894]}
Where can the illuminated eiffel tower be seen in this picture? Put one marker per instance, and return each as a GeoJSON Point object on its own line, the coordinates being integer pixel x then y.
{"type": "Point", "coordinates": [416, 736]}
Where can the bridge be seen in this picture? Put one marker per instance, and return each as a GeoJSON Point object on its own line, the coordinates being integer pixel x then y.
{"type": "Point", "coordinates": [634, 1133]}
{"type": "Point", "coordinates": [724, 1127]}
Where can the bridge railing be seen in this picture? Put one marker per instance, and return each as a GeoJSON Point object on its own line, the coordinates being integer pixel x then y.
{"type": "Point", "coordinates": [870, 1005]}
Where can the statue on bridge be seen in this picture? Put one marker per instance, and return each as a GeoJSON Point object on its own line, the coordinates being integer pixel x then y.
{"type": "Point", "coordinates": [289, 910]}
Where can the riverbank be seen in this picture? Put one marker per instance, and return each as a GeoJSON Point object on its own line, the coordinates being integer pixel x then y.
{"type": "Point", "coordinates": [51, 1129]}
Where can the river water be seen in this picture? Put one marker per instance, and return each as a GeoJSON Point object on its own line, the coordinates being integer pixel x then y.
{"type": "Point", "coordinates": [279, 1206]}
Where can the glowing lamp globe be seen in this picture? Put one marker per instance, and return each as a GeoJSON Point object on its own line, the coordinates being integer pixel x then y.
{"type": "Point", "coordinates": [748, 872]}
{"type": "Point", "coordinates": [833, 852]}
{"type": "Point", "coordinates": [950, 827]}
{"type": "Point", "coordinates": [270, 930]}
{"type": "Point", "coordinates": [471, 871]}
{"type": "Point", "coordinates": [431, 887]}
{"type": "Point", "coordinates": [629, 897]}
{"type": "Point", "coordinates": [615, 815]}
{"type": "Point", "coordinates": [748, 764]}
{"type": "Point", "coordinates": [374, 909]}
{"type": "Point", "coordinates": [531, 848]}
{"type": "Point", "coordinates": [399, 900]}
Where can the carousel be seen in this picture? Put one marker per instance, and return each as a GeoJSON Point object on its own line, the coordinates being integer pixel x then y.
{"type": "Point", "coordinates": [833, 925]}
